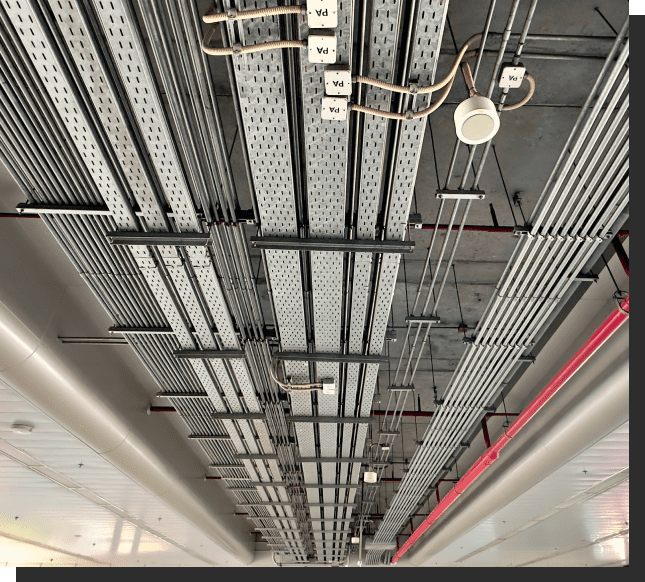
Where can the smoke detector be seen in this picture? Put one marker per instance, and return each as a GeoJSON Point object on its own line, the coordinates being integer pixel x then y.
{"type": "Point", "coordinates": [476, 120]}
{"type": "Point", "coordinates": [370, 477]}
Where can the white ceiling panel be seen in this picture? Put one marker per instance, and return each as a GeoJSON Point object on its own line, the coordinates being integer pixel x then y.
{"type": "Point", "coordinates": [558, 519]}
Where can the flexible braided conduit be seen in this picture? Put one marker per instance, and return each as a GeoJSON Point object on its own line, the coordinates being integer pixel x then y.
{"type": "Point", "coordinates": [246, 14]}
{"type": "Point", "coordinates": [404, 116]}
{"type": "Point", "coordinates": [256, 48]}
{"type": "Point", "coordinates": [430, 88]}
{"type": "Point", "coordinates": [528, 96]}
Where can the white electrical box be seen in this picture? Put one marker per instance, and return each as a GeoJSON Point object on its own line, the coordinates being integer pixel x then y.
{"type": "Point", "coordinates": [334, 108]}
{"type": "Point", "coordinates": [338, 81]}
{"type": "Point", "coordinates": [321, 48]}
{"type": "Point", "coordinates": [322, 13]}
{"type": "Point", "coordinates": [329, 386]}
{"type": "Point", "coordinates": [511, 76]}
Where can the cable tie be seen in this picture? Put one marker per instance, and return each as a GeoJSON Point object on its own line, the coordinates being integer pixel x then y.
{"type": "Point", "coordinates": [237, 48]}
{"type": "Point", "coordinates": [409, 115]}
{"type": "Point", "coordinates": [414, 88]}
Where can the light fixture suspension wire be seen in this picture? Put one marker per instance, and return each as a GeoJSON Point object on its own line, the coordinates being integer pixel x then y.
{"type": "Point", "coordinates": [491, 86]}
{"type": "Point", "coordinates": [480, 54]}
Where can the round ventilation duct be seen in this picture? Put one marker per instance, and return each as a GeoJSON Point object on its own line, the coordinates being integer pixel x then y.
{"type": "Point", "coordinates": [476, 120]}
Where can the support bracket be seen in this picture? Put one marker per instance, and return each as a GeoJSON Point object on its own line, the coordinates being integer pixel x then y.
{"type": "Point", "coordinates": [332, 245]}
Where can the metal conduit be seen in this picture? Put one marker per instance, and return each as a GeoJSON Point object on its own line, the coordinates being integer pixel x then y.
{"type": "Point", "coordinates": [376, 555]}
{"type": "Point", "coordinates": [88, 234]}
{"type": "Point", "coordinates": [540, 272]}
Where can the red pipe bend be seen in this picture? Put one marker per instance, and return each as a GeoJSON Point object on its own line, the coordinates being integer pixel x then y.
{"type": "Point", "coordinates": [599, 337]}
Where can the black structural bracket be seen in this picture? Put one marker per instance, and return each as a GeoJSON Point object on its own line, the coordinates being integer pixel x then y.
{"type": "Point", "coordinates": [208, 354]}
{"type": "Point", "coordinates": [182, 395]}
{"type": "Point", "coordinates": [238, 416]}
{"type": "Point", "coordinates": [332, 244]}
{"type": "Point", "coordinates": [590, 278]}
{"type": "Point", "coordinates": [143, 330]}
{"type": "Point", "coordinates": [333, 419]}
{"type": "Point", "coordinates": [177, 239]}
{"type": "Point", "coordinates": [331, 460]}
{"type": "Point", "coordinates": [339, 358]}
{"type": "Point", "coordinates": [329, 486]}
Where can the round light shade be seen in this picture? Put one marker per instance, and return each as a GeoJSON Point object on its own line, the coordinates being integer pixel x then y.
{"type": "Point", "coordinates": [476, 120]}
{"type": "Point", "coordinates": [370, 477]}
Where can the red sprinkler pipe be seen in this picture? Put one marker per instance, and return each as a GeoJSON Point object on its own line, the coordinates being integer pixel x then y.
{"type": "Point", "coordinates": [598, 338]}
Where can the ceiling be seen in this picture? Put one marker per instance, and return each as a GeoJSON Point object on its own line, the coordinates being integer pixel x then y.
{"type": "Point", "coordinates": [306, 303]}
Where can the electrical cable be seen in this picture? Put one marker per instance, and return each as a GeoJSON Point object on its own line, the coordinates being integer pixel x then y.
{"type": "Point", "coordinates": [445, 83]}
{"type": "Point", "coordinates": [238, 49]}
{"type": "Point", "coordinates": [233, 14]}
{"type": "Point", "coordinates": [289, 387]}
{"type": "Point", "coordinates": [527, 97]}
{"type": "Point", "coordinates": [409, 115]}
{"type": "Point", "coordinates": [415, 89]}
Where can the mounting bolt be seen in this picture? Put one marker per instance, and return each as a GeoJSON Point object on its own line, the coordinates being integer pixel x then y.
{"type": "Point", "coordinates": [517, 198]}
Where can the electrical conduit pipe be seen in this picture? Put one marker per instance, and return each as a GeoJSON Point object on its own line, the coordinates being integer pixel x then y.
{"type": "Point", "coordinates": [597, 339]}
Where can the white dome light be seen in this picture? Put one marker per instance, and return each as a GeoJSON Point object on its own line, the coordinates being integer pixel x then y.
{"type": "Point", "coordinates": [476, 120]}
{"type": "Point", "coordinates": [370, 477]}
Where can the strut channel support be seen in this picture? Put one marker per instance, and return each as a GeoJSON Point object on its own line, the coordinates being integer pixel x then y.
{"type": "Point", "coordinates": [208, 354]}
{"type": "Point", "coordinates": [340, 358]}
{"type": "Point", "coordinates": [177, 239]}
{"type": "Point", "coordinates": [332, 245]}
{"type": "Point", "coordinates": [63, 209]}
{"type": "Point", "coordinates": [182, 395]}
{"type": "Point", "coordinates": [422, 319]}
{"type": "Point", "coordinates": [333, 419]}
{"type": "Point", "coordinates": [237, 416]}
{"type": "Point", "coordinates": [141, 330]}
{"type": "Point", "coordinates": [460, 194]}
{"type": "Point", "coordinates": [332, 460]}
